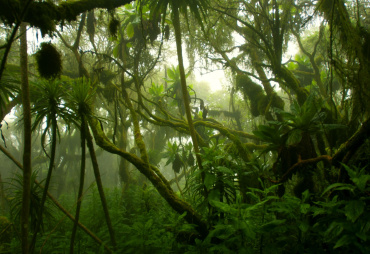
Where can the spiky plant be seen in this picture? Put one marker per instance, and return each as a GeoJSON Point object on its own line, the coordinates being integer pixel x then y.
{"type": "Point", "coordinates": [48, 106]}
{"type": "Point", "coordinates": [81, 102]}
{"type": "Point", "coordinates": [15, 193]}
{"type": "Point", "coordinates": [9, 88]}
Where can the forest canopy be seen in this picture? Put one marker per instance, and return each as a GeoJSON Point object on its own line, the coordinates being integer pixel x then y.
{"type": "Point", "coordinates": [103, 114]}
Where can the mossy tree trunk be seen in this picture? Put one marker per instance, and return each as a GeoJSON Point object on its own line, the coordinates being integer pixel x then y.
{"type": "Point", "coordinates": [154, 176]}
{"type": "Point", "coordinates": [176, 24]}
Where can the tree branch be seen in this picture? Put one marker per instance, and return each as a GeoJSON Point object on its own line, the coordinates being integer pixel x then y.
{"type": "Point", "coordinates": [45, 15]}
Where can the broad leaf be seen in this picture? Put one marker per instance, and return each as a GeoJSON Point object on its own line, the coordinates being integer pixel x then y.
{"type": "Point", "coordinates": [130, 30]}
{"type": "Point", "coordinates": [354, 209]}
{"type": "Point", "coordinates": [295, 136]}
{"type": "Point", "coordinates": [223, 207]}
{"type": "Point", "coordinates": [209, 180]}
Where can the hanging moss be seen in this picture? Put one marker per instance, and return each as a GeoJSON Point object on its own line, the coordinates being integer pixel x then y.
{"type": "Point", "coordinates": [90, 23]}
{"type": "Point", "coordinates": [253, 92]}
{"type": "Point", "coordinates": [260, 103]}
{"type": "Point", "coordinates": [49, 62]}
{"type": "Point", "coordinates": [113, 27]}
{"type": "Point", "coordinates": [190, 160]}
{"type": "Point", "coordinates": [167, 32]}
{"type": "Point", "coordinates": [177, 163]}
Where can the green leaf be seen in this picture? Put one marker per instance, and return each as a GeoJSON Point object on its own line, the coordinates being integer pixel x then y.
{"type": "Point", "coordinates": [209, 180]}
{"type": "Point", "coordinates": [304, 226]}
{"type": "Point", "coordinates": [342, 186]}
{"type": "Point", "coordinates": [294, 137]}
{"type": "Point", "coordinates": [334, 126]}
{"type": "Point", "coordinates": [171, 74]}
{"type": "Point", "coordinates": [361, 182]}
{"type": "Point", "coordinates": [272, 225]}
{"type": "Point", "coordinates": [362, 236]}
{"type": "Point", "coordinates": [305, 208]}
{"type": "Point", "coordinates": [149, 224]}
{"type": "Point", "coordinates": [225, 170]}
{"type": "Point", "coordinates": [116, 50]}
{"type": "Point", "coordinates": [344, 240]}
{"type": "Point", "coordinates": [354, 209]}
{"type": "Point", "coordinates": [305, 195]}
{"type": "Point", "coordinates": [214, 194]}
{"type": "Point", "coordinates": [130, 30]}
{"type": "Point", "coordinates": [223, 207]}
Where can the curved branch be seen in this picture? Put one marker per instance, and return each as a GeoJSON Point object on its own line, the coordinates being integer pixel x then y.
{"type": "Point", "coordinates": [151, 172]}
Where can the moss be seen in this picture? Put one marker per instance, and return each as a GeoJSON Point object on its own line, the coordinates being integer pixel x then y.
{"type": "Point", "coordinates": [113, 27]}
{"type": "Point", "coordinates": [43, 16]}
{"type": "Point", "coordinates": [49, 61]}
{"type": "Point", "coordinates": [254, 93]}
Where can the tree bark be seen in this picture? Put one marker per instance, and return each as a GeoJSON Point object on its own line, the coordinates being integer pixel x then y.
{"type": "Point", "coordinates": [99, 184]}
{"type": "Point", "coordinates": [46, 14]}
{"type": "Point", "coordinates": [48, 177]}
{"type": "Point", "coordinates": [27, 139]}
{"type": "Point", "coordinates": [82, 180]}
{"type": "Point", "coordinates": [176, 24]}
{"type": "Point", "coordinates": [154, 176]}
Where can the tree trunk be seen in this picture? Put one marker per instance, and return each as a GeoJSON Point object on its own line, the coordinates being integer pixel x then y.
{"type": "Point", "coordinates": [27, 171]}
{"type": "Point", "coordinates": [82, 179]}
{"type": "Point", "coordinates": [176, 24]}
{"type": "Point", "coordinates": [99, 183]}
{"type": "Point", "coordinates": [48, 177]}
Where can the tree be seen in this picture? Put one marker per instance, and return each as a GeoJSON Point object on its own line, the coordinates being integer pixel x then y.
{"type": "Point", "coordinates": [27, 170]}
{"type": "Point", "coordinates": [197, 8]}
{"type": "Point", "coordinates": [48, 106]}
{"type": "Point", "coordinates": [284, 131]}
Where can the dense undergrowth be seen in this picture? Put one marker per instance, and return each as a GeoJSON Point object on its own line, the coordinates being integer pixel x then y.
{"type": "Point", "coordinates": [336, 221]}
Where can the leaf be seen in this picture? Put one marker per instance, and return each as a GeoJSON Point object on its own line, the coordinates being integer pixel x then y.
{"type": "Point", "coordinates": [223, 207]}
{"type": "Point", "coordinates": [342, 186]}
{"type": "Point", "coordinates": [272, 225]}
{"type": "Point", "coordinates": [149, 224]}
{"type": "Point", "coordinates": [361, 182]}
{"type": "Point", "coordinates": [305, 196]}
{"type": "Point", "coordinates": [225, 170]}
{"type": "Point", "coordinates": [130, 30]}
{"type": "Point", "coordinates": [214, 194]}
{"type": "Point", "coordinates": [305, 208]}
{"type": "Point", "coordinates": [354, 209]}
{"type": "Point", "coordinates": [294, 137]}
{"type": "Point", "coordinates": [209, 180]}
{"type": "Point", "coordinates": [344, 240]}
{"type": "Point", "coordinates": [304, 226]}
{"type": "Point", "coordinates": [116, 50]}
{"type": "Point", "coordinates": [171, 74]}
{"type": "Point", "coordinates": [334, 126]}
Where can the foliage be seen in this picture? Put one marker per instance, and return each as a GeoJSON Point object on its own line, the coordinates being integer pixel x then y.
{"type": "Point", "coordinates": [9, 87]}
{"type": "Point", "coordinates": [15, 196]}
{"type": "Point", "coordinates": [274, 162]}
{"type": "Point", "coordinates": [343, 218]}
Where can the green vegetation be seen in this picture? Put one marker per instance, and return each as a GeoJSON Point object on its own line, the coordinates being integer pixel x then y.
{"type": "Point", "coordinates": [123, 150]}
